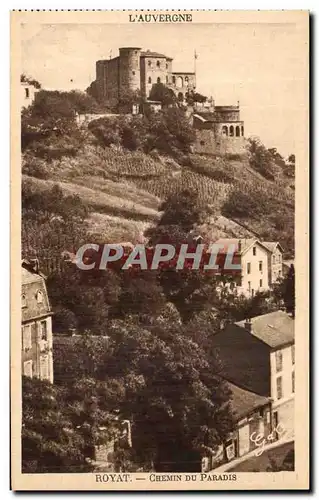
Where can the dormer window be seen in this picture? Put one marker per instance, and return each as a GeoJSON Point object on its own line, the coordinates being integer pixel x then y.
{"type": "Point", "coordinates": [39, 297]}
{"type": "Point", "coordinates": [23, 300]}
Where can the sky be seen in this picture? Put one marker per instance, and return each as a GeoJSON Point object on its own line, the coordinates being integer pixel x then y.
{"type": "Point", "coordinates": [258, 65]}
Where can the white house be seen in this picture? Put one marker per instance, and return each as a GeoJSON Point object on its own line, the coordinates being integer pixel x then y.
{"type": "Point", "coordinates": [253, 257]}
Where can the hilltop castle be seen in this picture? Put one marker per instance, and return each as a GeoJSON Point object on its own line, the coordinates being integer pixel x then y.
{"type": "Point", "coordinates": [134, 70]}
{"type": "Point", "coordinates": [219, 130]}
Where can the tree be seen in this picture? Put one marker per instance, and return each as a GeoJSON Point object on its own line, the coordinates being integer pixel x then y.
{"type": "Point", "coordinates": [50, 443]}
{"type": "Point", "coordinates": [159, 92]}
{"type": "Point", "coordinates": [192, 97]}
{"type": "Point", "coordinates": [128, 99]}
{"type": "Point", "coordinates": [30, 80]}
{"type": "Point", "coordinates": [175, 397]}
{"type": "Point", "coordinates": [262, 159]}
{"type": "Point", "coordinates": [61, 425]}
{"type": "Point", "coordinates": [283, 291]}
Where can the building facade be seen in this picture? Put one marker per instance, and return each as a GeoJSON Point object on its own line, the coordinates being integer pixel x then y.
{"type": "Point", "coordinates": [27, 94]}
{"type": "Point", "coordinates": [36, 327]}
{"type": "Point", "coordinates": [253, 258]}
{"type": "Point", "coordinates": [251, 417]}
{"type": "Point", "coordinates": [219, 131]}
{"type": "Point", "coordinates": [136, 70]}
{"type": "Point", "coordinates": [275, 262]}
{"type": "Point", "coordinates": [259, 356]}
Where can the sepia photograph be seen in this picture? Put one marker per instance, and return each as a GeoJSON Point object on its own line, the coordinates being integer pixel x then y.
{"type": "Point", "coordinates": [159, 287]}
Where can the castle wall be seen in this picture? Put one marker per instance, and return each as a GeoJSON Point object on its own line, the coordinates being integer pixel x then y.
{"type": "Point", "coordinates": [155, 70]}
{"type": "Point", "coordinates": [210, 142]}
{"type": "Point", "coordinates": [107, 81]}
{"type": "Point", "coordinates": [129, 69]}
{"type": "Point", "coordinates": [227, 113]}
{"type": "Point", "coordinates": [183, 82]}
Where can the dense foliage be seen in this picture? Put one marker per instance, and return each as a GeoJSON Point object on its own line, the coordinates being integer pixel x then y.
{"type": "Point", "coordinates": [167, 132]}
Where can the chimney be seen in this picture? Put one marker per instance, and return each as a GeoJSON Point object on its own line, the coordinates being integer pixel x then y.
{"type": "Point", "coordinates": [248, 324]}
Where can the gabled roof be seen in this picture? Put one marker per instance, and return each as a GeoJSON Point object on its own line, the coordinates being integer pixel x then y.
{"type": "Point", "coordinates": [275, 329]}
{"type": "Point", "coordinates": [244, 402]}
{"type": "Point", "coordinates": [272, 245]}
{"type": "Point", "coordinates": [242, 245]}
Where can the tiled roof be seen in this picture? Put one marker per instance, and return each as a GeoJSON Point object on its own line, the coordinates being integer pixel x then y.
{"type": "Point", "coordinates": [149, 53]}
{"type": "Point", "coordinates": [245, 243]}
{"type": "Point", "coordinates": [274, 329]}
{"type": "Point", "coordinates": [271, 245]}
{"type": "Point", "coordinates": [244, 402]}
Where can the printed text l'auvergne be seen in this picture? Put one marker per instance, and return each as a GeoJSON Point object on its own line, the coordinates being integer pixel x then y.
{"type": "Point", "coordinates": [160, 18]}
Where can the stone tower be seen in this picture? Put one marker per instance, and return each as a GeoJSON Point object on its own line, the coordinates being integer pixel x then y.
{"type": "Point", "coordinates": [129, 69]}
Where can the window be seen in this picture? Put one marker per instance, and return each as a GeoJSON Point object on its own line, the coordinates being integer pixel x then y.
{"type": "Point", "coordinates": [278, 355]}
{"type": "Point", "coordinates": [186, 78]}
{"type": "Point", "coordinates": [166, 66]}
{"type": "Point", "coordinates": [133, 73]}
{"type": "Point", "coordinates": [27, 368]}
{"type": "Point", "coordinates": [174, 80]}
{"type": "Point", "coordinates": [166, 79]}
{"type": "Point", "coordinates": [26, 337]}
{"type": "Point", "coordinates": [292, 354]}
{"type": "Point", "coordinates": [274, 259]}
{"type": "Point", "coordinates": [23, 300]}
{"type": "Point", "coordinates": [150, 64]}
{"type": "Point", "coordinates": [158, 64]}
{"type": "Point", "coordinates": [44, 331]}
{"type": "Point", "coordinates": [158, 80]}
{"type": "Point", "coordinates": [149, 79]}
{"type": "Point", "coordinates": [231, 131]}
{"type": "Point", "coordinates": [293, 381]}
{"type": "Point", "coordinates": [27, 93]}
{"type": "Point", "coordinates": [279, 387]}
{"type": "Point", "coordinates": [261, 283]}
{"type": "Point", "coordinates": [225, 130]}
{"type": "Point", "coordinates": [254, 250]}
{"type": "Point", "coordinates": [39, 297]}
{"type": "Point", "coordinates": [242, 131]}
{"type": "Point", "coordinates": [44, 367]}
{"type": "Point", "coordinates": [260, 265]}
{"type": "Point", "coordinates": [248, 268]}
{"type": "Point", "coordinates": [252, 292]}
{"type": "Point", "coordinates": [237, 131]}
{"type": "Point", "coordinates": [249, 286]}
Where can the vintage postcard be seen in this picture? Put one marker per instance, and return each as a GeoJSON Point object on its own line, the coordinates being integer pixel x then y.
{"type": "Point", "coordinates": [159, 249]}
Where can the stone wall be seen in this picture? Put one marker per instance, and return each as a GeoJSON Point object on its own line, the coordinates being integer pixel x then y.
{"type": "Point", "coordinates": [129, 69]}
{"type": "Point", "coordinates": [209, 141]}
{"type": "Point", "coordinates": [153, 70]}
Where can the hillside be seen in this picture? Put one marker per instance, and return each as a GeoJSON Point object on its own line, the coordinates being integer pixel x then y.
{"type": "Point", "coordinates": [123, 191]}
{"type": "Point", "coordinates": [116, 173]}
